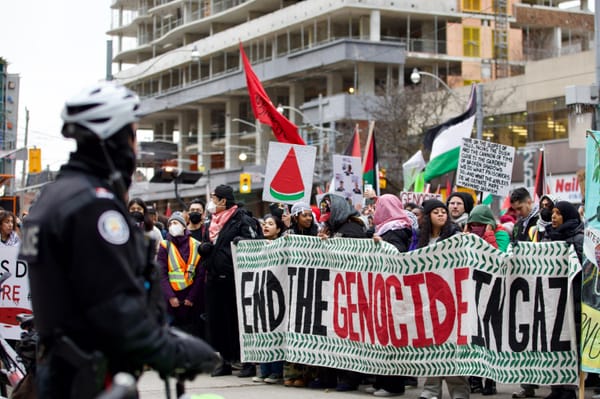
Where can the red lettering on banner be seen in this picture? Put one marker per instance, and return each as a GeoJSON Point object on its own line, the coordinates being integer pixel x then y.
{"type": "Point", "coordinates": [461, 307]}
{"type": "Point", "coordinates": [381, 313]}
{"type": "Point", "coordinates": [338, 290]}
{"type": "Point", "coordinates": [563, 185]}
{"type": "Point", "coordinates": [439, 292]}
{"type": "Point", "coordinates": [393, 282]}
{"type": "Point", "coordinates": [414, 281]}
{"type": "Point", "coordinates": [365, 313]}
{"type": "Point", "coordinates": [351, 307]}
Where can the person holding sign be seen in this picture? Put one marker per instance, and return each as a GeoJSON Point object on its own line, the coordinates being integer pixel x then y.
{"type": "Point", "coordinates": [392, 225]}
{"type": "Point", "coordinates": [435, 227]}
{"type": "Point", "coordinates": [567, 226]}
{"type": "Point", "coordinates": [8, 235]}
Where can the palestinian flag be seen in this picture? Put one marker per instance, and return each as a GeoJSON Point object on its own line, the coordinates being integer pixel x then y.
{"type": "Point", "coordinates": [370, 163]}
{"type": "Point", "coordinates": [444, 141]}
{"type": "Point", "coordinates": [353, 149]}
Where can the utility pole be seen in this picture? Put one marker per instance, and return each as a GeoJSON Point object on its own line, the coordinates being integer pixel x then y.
{"type": "Point", "coordinates": [23, 183]}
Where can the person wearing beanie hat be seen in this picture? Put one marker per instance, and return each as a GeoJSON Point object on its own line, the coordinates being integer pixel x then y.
{"type": "Point", "coordinates": [436, 226]}
{"type": "Point", "coordinates": [483, 223]}
{"type": "Point", "coordinates": [567, 226]}
{"type": "Point", "coordinates": [178, 217]}
{"type": "Point", "coordinates": [181, 280]}
{"type": "Point", "coordinates": [459, 206]}
{"type": "Point", "coordinates": [228, 224]}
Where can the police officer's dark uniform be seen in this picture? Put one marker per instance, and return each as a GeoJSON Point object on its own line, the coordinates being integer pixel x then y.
{"type": "Point", "coordinates": [91, 282]}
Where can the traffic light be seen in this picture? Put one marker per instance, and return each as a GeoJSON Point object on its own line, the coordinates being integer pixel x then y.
{"type": "Point", "coordinates": [35, 160]}
{"type": "Point", "coordinates": [245, 183]}
{"type": "Point", "coordinates": [382, 179]}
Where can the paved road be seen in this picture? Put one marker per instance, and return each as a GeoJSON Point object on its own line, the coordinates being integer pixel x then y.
{"type": "Point", "coordinates": [232, 387]}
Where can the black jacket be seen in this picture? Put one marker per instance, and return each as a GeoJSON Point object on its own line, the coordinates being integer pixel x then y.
{"type": "Point", "coordinates": [91, 281]}
{"type": "Point", "coordinates": [216, 257]}
{"type": "Point", "coordinates": [401, 238]}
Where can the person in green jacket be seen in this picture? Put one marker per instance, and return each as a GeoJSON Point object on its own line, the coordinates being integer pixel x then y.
{"type": "Point", "coordinates": [482, 222]}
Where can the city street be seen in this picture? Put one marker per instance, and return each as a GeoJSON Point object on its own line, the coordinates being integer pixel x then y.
{"type": "Point", "coordinates": [232, 387]}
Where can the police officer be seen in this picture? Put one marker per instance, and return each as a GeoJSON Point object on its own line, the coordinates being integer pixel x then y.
{"type": "Point", "coordinates": [92, 283]}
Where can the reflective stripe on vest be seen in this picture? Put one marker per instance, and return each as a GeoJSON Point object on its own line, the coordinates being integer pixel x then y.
{"type": "Point", "coordinates": [181, 273]}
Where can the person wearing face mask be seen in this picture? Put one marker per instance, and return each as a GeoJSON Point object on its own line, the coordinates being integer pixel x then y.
{"type": "Point", "coordinates": [545, 216]}
{"type": "Point", "coordinates": [139, 212]}
{"type": "Point", "coordinates": [482, 223]}
{"type": "Point", "coordinates": [228, 224]}
{"type": "Point", "coordinates": [181, 275]}
{"type": "Point", "coordinates": [196, 218]}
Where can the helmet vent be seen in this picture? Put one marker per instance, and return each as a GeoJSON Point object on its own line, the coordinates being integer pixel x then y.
{"type": "Point", "coordinates": [77, 109]}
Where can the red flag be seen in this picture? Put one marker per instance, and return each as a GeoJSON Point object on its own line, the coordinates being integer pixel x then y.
{"type": "Point", "coordinates": [353, 149]}
{"type": "Point", "coordinates": [264, 110]}
{"type": "Point", "coordinates": [168, 210]}
{"type": "Point", "coordinates": [370, 163]}
{"type": "Point", "coordinates": [540, 178]}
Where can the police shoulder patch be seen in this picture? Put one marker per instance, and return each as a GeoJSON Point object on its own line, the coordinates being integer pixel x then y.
{"type": "Point", "coordinates": [113, 227]}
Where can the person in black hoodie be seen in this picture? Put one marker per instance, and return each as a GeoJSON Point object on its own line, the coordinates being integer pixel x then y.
{"type": "Point", "coordinates": [229, 223]}
{"type": "Point", "coordinates": [567, 226]}
{"type": "Point", "coordinates": [340, 219]}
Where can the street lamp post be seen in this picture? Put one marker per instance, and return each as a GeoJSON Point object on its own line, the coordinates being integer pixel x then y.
{"type": "Point", "coordinates": [415, 77]}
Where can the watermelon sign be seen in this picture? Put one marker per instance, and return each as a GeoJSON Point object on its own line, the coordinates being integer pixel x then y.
{"type": "Point", "coordinates": [289, 171]}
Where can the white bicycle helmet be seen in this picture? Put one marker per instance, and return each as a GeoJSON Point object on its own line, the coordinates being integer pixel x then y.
{"type": "Point", "coordinates": [103, 109]}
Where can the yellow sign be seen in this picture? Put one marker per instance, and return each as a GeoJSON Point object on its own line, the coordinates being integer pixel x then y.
{"type": "Point", "coordinates": [35, 160]}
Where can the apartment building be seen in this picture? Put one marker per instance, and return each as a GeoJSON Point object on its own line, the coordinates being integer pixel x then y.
{"type": "Point", "coordinates": [322, 60]}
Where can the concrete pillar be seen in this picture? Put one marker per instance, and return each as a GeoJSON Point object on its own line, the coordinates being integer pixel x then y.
{"type": "Point", "coordinates": [375, 26]}
{"type": "Point", "coordinates": [557, 40]}
{"type": "Point", "coordinates": [335, 84]}
{"type": "Point", "coordinates": [366, 79]}
{"type": "Point", "coordinates": [186, 138]}
{"type": "Point", "coordinates": [203, 126]}
{"type": "Point", "coordinates": [232, 138]}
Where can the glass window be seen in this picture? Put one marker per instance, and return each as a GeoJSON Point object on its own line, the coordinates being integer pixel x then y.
{"type": "Point", "coordinates": [471, 41]}
{"type": "Point", "coordinates": [471, 5]}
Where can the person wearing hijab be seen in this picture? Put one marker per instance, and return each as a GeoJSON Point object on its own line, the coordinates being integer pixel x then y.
{"type": "Point", "coordinates": [393, 225]}
{"type": "Point", "coordinates": [435, 227]}
{"type": "Point", "coordinates": [567, 226]}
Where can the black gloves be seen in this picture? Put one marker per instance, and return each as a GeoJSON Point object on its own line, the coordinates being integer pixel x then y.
{"type": "Point", "coordinates": [193, 356]}
{"type": "Point", "coordinates": [205, 248]}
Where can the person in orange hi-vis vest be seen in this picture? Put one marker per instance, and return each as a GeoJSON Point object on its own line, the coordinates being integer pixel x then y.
{"type": "Point", "coordinates": [182, 278]}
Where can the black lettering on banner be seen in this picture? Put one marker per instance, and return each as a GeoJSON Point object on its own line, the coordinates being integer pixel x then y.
{"type": "Point", "coordinates": [493, 314]}
{"type": "Point", "coordinates": [259, 302]}
{"type": "Point", "coordinates": [275, 296]}
{"type": "Point", "coordinates": [562, 284]}
{"type": "Point", "coordinates": [480, 278]}
{"type": "Point", "coordinates": [320, 305]}
{"type": "Point", "coordinates": [246, 277]}
{"type": "Point", "coordinates": [492, 317]}
{"type": "Point", "coordinates": [4, 264]}
{"type": "Point", "coordinates": [21, 269]}
{"type": "Point", "coordinates": [519, 287]}
{"type": "Point", "coordinates": [539, 319]}
{"type": "Point", "coordinates": [304, 300]}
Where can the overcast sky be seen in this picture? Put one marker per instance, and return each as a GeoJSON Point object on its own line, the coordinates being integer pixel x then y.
{"type": "Point", "coordinates": [57, 47]}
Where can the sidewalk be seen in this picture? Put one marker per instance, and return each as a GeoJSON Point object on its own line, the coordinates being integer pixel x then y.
{"type": "Point", "coordinates": [232, 387]}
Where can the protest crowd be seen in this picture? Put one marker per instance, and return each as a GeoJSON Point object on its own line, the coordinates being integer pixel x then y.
{"type": "Point", "coordinates": [194, 250]}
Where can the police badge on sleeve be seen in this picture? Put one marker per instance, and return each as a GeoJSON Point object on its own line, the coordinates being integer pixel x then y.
{"type": "Point", "coordinates": [113, 227]}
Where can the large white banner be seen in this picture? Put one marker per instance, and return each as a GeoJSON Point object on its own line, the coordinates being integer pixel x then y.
{"type": "Point", "coordinates": [459, 307]}
{"type": "Point", "coordinates": [14, 292]}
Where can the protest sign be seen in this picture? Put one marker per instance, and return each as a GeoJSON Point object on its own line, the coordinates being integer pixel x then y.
{"type": "Point", "coordinates": [347, 174]}
{"type": "Point", "coordinates": [590, 290]}
{"type": "Point", "coordinates": [14, 293]}
{"type": "Point", "coordinates": [289, 173]}
{"type": "Point", "coordinates": [485, 166]}
{"type": "Point", "coordinates": [417, 198]}
{"type": "Point", "coordinates": [459, 307]}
